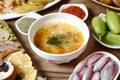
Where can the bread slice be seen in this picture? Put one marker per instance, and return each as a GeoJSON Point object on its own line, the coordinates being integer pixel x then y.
{"type": "Point", "coordinates": [109, 2]}
{"type": "Point", "coordinates": [117, 2]}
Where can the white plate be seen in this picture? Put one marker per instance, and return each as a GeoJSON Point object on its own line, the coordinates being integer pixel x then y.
{"type": "Point", "coordinates": [106, 45]}
{"type": "Point", "coordinates": [15, 15]}
{"type": "Point", "coordinates": [107, 54]}
{"type": "Point", "coordinates": [102, 16]}
{"type": "Point", "coordinates": [82, 6]}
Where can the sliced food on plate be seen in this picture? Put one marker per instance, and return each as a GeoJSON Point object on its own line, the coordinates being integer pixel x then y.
{"type": "Point", "coordinates": [8, 41]}
{"type": "Point", "coordinates": [21, 6]}
{"type": "Point", "coordinates": [113, 4]}
{"type": "Point", "coordinates": [8, 47]}
{"type": "Point", "coordinates": [10, 9]}
{"type": "Point", "coordinates": [15, 64]}
{"type": "Point", "coordinates": [6, 32]}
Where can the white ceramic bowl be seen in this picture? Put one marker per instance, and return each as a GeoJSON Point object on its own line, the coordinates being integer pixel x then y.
{"type": "Point", "coordinates": [59, 58]}
{"type": "Point", "coordinates": [29, 15]}
{"type": "Point", "coordinates": [82, 6]}
{"type": "Point", "coordinates": [102, 16]}
{"type": "Point", "coordinates": [106, 54]}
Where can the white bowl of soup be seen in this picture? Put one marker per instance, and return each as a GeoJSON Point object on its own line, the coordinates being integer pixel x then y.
{"type": "Point", "coordinates": [58, 37]}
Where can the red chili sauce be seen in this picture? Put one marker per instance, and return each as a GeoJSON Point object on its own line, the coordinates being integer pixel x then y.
{"type": "Point", "coordinates": [77, 11]}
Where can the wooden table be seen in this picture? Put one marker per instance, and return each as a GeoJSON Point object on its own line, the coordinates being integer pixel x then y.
{"type": "Point", "coordinates": [62, 71]}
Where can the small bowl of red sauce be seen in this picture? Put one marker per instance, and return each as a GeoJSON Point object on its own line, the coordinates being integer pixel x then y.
{"type": "Point", "coordinates": [79, 10]}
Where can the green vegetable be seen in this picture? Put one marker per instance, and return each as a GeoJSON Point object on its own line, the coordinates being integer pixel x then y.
{"type": "Point", "coordinates": [98, 27]}
{"type": "Point", "coordinates": [113, 21]}
{"type": "Point", "coordinates": [111, 38]}
{"type": "Point", "coordinates": [56, 39]}
{"type": "Point", "coordinates": [1, 25]}
{"type": "Point", "coordinates": [12, 38]}
{"type": "Point", "coordinates": [11, 35]}
{"type": "Point", "coordinates": [118, 14]}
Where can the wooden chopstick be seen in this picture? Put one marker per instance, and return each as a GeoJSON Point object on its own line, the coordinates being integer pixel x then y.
{"type": "Point", "coordinates": [40, 71]}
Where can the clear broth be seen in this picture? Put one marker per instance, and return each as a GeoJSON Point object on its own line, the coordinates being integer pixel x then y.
{"type": "Point", "coordinates": [58, 38]}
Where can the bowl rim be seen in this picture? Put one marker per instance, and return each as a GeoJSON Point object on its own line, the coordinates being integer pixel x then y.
{"type": "Point", "coordinates": [28, 15]}
{"type": "Point", "coordinates": [105, 44]}
{"type": "Point", "coordinates": [50, 54]}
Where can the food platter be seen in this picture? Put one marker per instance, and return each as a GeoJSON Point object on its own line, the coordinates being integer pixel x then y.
{"type": "Point", "coordinates": [82, 71]}
{"type": "Point", "coordinates": [15, 49]}
{"type": "Point", "coordinates": [15, 15]}
{"type": "Point", "coordinates": [108, 6]}
{"type": "Point", "coordinates": [63, 71]}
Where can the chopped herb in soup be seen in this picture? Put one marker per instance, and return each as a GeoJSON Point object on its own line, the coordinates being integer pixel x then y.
{"type": "Point", "coordinates": [25, 23]}
{"type": "Point", "coordinates": [58, 38]}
